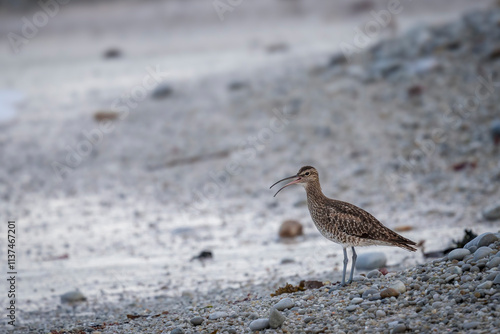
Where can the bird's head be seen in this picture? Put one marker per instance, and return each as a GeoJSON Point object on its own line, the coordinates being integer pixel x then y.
{"type": "Point", "coordinates": [306, 174]}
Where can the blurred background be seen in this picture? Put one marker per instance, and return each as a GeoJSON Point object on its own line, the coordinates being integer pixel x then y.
{"type": "Point", "coordinates": [136, 134]}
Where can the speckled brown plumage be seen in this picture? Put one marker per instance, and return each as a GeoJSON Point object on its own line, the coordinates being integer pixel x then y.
{"type": "Point", "coordinates": [342, 222]}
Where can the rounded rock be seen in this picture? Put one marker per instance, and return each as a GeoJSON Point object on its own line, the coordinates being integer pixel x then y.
{"type": "Point", "coordinates": [458, 254]}
{"type": "Point", "coordinates": [389, 292]}
{"type": "Point", "coordinates": [217, 315]}
{"type": "Point", "coordinates": [351, 308]}
{"type": "Point", "coordinates": [177, 331]}
{"type": "Point", "coordinates": [290, 229]}
{"type": "Point", "coordinates": [380, 314]}
{"type": "Point", "coordinates": [196, 321]}
{"type": "Point", "coordinates": [482, 252]}
{"type": "Point", "coordinates": [369, 261]}
{"type": "Point", "coordinates": [399, 328]}
{"type": "Point", "coordinates": [284, 304]}
{"type": "Point", "coordinates": [276, 319]}
{"type": "Point", "coordinates": [259, 324]}
{"type": "Point", "coordinates": [373, 274]}
{"type": "Point", "coordinates": [357, 300]}
{"type": "Point", "coordinates": [494, 262]}
{"type": "Point", "coordinates": [398, 286]}
{"type": "Point", "coordinates": [485, 285]}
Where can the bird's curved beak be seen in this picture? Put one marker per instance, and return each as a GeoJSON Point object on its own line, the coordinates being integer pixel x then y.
{"type": "Point", "coordinates": [297, 180]}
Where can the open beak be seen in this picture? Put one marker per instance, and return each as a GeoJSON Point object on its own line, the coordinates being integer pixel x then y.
{"type": "Point", "coordinates": [298, 178]}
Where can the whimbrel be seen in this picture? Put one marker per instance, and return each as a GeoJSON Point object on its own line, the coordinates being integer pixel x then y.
{"type": "Point", "coordinates": [342, 222]}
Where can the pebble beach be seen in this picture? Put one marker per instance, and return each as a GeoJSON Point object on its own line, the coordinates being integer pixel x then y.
{"type": "Point", "coordinates": [167, 224]}
{"type": "Point", "coordinates": [459, 293]}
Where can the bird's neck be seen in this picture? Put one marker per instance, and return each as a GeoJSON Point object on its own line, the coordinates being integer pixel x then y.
{"type": "Point", "coordinates": [314, 193]}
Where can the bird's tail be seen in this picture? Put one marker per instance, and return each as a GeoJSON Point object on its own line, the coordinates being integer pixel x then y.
{"type": "Point", "coordinates": [404, 243]}
{"type": "Point", "coordinates": [406, 246]}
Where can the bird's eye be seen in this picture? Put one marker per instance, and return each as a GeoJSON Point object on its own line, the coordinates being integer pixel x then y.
{"type": "Point", "coordinates": [307, 174]}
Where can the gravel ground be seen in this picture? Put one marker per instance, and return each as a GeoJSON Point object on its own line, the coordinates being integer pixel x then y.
{"type": "Point", "coordinates": [403, 130]}
{"type": "Point", "coordinates": [459, 293]}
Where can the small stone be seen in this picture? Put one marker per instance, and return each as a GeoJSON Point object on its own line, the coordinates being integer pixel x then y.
{"type": "Point", "coordinates": [398, 286]}
{"type": "Point", "coordinates": [309, 319]}
{"type": "Point", "coordinates": [497, 279]}
{"type": "Point", "coordinates": [259, 324]}
{"type": "Point", "coordinates": [458, 254]}
{"type": "Point", "coordinates": [161, 92]}
{"type": "Point", "coordinates": [290, 229]}
{"type": "Point", "coordinates": [485, 285]}
{"type": "Point", "coordinates": [287, 260]}
{"type": "Point", "coordinates": [492, 212]}
{"type": "Point", "coordinates": [369, 261]}
{"type": "Point", "coordinates": [471, 325]}
{"type": "Point", "coordinates": [284, 304]}
{"type": "Point", "coordinates": [196, 321]}
{"type": "Point", "coordinates": [73, 297]}
{"type": "Point", "coordinates": [357, 300]}
{"type": "Point", "coordinates": [493, 263]}
{"type": "Point", "coordinates": [399, 328]}
{"type": "Point", "coordinates": [389, 292]}
{"type": "Point", "coordinates": [451, 277]}
{"type": "Point", "coordinates": [373, 274]}
{"type": "Point", "coordinates": [482, 252]}
{"type": "Point", "coordinates": [380, 314]}
{"type": "Point", "coordinates": [456, 270]}
{"type": "Point", "coordinates": [466, 267]}
{"type": "Point", "coordinates": [217, 315]}
{"type": "Point", "coordinates": [358, 278]}
{"type": "Point", "coordinates": [351, 308]}
{"type": "Point", "coordinates": [177, 331]}
{"type": "Point", "coordinates": [369, 292]}
{"type": "Point", "coordinates": [276, 319]}
{"type": "Point", "coordinates": [481, 240]}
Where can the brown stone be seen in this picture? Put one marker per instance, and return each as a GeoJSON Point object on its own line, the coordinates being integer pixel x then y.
{"type": "Point", "coordinates": [290, 229]}
{"type": "Point", "coordinates": [389, 292]}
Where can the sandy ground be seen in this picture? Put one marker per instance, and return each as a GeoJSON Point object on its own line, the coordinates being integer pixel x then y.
{"type": "Point", "coordinates": [155, 190]}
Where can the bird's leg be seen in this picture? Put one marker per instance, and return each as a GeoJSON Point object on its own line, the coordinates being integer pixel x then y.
{"type": "Point", "coordinates": [354, 257]}
{"type": "Point", "coordinates": [343, 271]}
{"type": "Point", "coordinates": [345, 267]}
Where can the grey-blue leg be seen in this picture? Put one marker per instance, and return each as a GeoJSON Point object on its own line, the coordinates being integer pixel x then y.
{"type": "Point", "coordinates": [354, 257]}
{"type": "Point", "coordinates": [343, 271]}
{"type": "Point", "coordinates": [345, 267]}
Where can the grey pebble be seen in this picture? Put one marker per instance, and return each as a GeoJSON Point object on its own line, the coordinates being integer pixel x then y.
{"type": "Point", "coordinates": [493, 263]}
{"type": "Point", "coordinates": [196, 321]}
{"type": "Point", "coordinates": [357, 300]}
{"type": "Point", "coordinates": [399, 328]}
{"type": "Point", "coordinates": [492, 212]}
{"type": "Point", "coordinates": [259, 324]}
{"type": "Point", "coordinates": [284, 304]}
{"type": "Point", "coordinates": [497, 279]}
{"type": "Point", "coordinates": [398, 286]}
{"type": "Point", "coordinates": [369, 261]}
{"type": "Point", "coordinates": [373, 274]}
{"type": "Point", "coordinates": [276, 319]}
{"type": "Point", "coordinates": [369, 292]}
{"type": "Point", "coordinates": [485, 285]}
{"type": "Point", "coordinates": [217, 315]}
{"type": "Point", "coordinates": [351, 308]}
{"type": "Point", "coordinates": [177, 331]}
{"type": "Point", "coordinates": [471, 324]}
{"type": "Point", "coordinates": [482, 252]}
{"type": "Point", "coordinates": [458, 254]}
{"type": "Point", "coordinates": [380, 314]}
{"type": "Point", "coordinates": [309, 319]}
{"type": "Point", "coordinates": [73, 297]}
